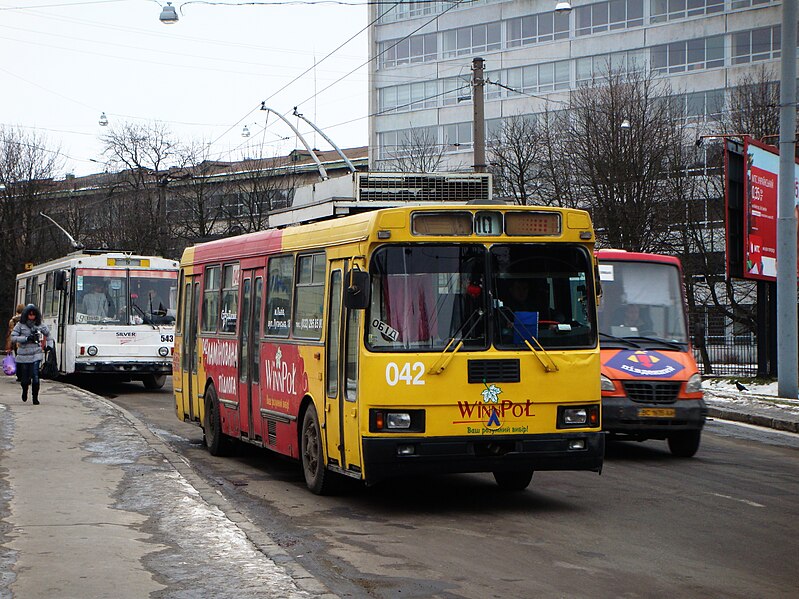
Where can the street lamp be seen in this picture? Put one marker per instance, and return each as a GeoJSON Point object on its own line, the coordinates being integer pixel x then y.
{"type": "Point", "coordinates": [169, 16]}
{"type": "Point", "coordinates": [563, 6]}
{"type": "Point", "coordinates": [625, 125]}
{"type": "Point", "coordinates": [245, 132]}
{"type": "Point", "coordinates": [103, 122]}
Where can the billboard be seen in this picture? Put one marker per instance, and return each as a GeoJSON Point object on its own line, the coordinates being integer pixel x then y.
{"type": "Point", "coordinates": [762, 167]}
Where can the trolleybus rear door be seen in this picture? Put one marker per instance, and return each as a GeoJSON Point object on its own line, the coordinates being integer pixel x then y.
{"type": "Point", "coordinates": [188, 348]}
{"type": "Point", "coordinates": [249, 352]}
{"type": "Point", "coordinates": [332, 417]}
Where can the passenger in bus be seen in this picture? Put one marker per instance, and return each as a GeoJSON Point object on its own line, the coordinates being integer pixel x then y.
{"type": "Point", "coordinates": [95, 303]}
{"type": "Point", "coordinates": [29, 333]}
{"type": "Point", "coordinates": [631, 317]}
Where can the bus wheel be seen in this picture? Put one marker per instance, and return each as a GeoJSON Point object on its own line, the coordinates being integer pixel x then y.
{"type": "Point", "coordinates": [154, 381]}
{"type": "Point", "coordinates": [684, 444]}
{"type": "Point", "coordinates": [513, 480]}
{"type": "Point", "coordinates": [214, 440]}
{"type": "Point", "coordinates": [317, 477]}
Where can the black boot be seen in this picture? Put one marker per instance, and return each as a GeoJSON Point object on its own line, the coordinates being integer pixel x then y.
{"type": "Point", "coordinates": [24, 392]}
{"type": "Point", "coordinates": [35, 394]}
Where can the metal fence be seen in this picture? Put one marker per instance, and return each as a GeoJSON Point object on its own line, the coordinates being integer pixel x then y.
{"type": "Point", "coordinates": [729, 355]}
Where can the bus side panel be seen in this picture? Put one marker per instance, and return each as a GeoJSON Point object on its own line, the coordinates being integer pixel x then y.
{"type": "Point", "coordinates": [220, 363]}
{"type": "Point", "coordinates": [289, 373]}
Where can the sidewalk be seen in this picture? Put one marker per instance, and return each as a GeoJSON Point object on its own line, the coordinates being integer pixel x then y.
{"type": "Point", "coordinates": [757, 404]}
{"type": "Point", "coordinates": [93, 504]}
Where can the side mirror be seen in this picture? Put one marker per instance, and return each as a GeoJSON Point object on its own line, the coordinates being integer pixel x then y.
{"type": "Point", "coordinates": [60, 280]}
{"type": "Point", "coordinates": [356, 295]}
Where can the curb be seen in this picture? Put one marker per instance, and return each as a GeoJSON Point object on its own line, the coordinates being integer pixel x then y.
{"type": "Point", "coordinates": [780, 424]}
{"type": "Point", "coordinates": [304, 580]}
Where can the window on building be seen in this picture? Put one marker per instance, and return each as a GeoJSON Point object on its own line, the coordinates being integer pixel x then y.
{"type": "Point", "coordinates": [609, 16]}
{"type": "Point", "coordinates": [532, 29]}
{"type": "Point", "coordinates": [415, 49]}
{"type": "Point", "coordinates": [756, 44]}
{"type": "Point", "coordinates": [469, 40]}
{"type": "Point", "coordinates": [458, 136]}
{"type": "Point", "coordinates": [669, 10]}
{"type": "Point", "coordinates": [736, 4]}
{"type": "Point", "coordinates": [678, 57]}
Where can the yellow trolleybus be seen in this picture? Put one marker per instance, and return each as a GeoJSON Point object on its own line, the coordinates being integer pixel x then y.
{"type": "Point", "coordinates": [401, 341]}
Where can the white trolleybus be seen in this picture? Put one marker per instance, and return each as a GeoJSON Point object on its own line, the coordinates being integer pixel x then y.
{"type": "Point", "coordinates": [109, 313]}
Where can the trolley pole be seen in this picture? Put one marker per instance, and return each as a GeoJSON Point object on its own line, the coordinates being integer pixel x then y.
{"type": "Point", "coordinates": [787, 350]}
{"type": "Point", "coordinates": [478, 121]}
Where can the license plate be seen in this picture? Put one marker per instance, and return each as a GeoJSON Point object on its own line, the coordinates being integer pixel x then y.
{"type": "Point", "coordinates": [656, 412]}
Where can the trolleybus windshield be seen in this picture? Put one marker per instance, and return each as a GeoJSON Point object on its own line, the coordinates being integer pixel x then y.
{"type": "Point", "coordinates": [424, 296]}
{"type": "Point", "coordinates": [117, 296]}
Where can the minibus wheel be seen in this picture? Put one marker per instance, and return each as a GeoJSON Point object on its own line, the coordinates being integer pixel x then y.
{"type": "Point", "coordinates": [215, 441]}
{"type": "Point", "coordinates": [513, 480]}
{"type": "Point", "coordinates": [685, 443]}
{"type": "Point", "coordinates": [317, 477]}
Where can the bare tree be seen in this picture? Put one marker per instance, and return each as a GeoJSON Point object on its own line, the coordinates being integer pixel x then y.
{"type": "Point", "coordinates": [266, 184]}
{"type": "Point", "coordinates": [27, 166]}
{"type": "Point", "coordinates": [617, 138]}
{"type": "Point", "coordinates": [754, 106]}
{"type": "Point", "coordinates": [141, 154]}
{"type": "Point", "coordinates": [419, 151]}
{"type": "Point", "coordinates": [516, 158]}
{"type": "Point", "coordinates": [193, 204]}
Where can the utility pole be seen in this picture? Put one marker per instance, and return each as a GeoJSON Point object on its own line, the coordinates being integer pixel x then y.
{"type": "Point", "coordinates": [478, 121]}
{"type": "Point", "coordinates": [787, 351]}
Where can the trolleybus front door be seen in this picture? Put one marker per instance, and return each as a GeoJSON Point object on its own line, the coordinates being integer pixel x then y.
{"type": "Point", "coordinates": [341, 409]}
{"type": "Point", "coordinates": [188, 348]}
{"type": "Point", "coordinates": [249, 352]}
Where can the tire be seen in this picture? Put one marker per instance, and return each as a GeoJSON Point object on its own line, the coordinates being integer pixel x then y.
{"type": "Point", "coordinates": [216, 442]}
{"type": "Point", "coordinates": [513, 480]}
{"type": "Point", "coordinates": [154, 381]}
{"type": "Point", "coordinates": [684, 444]}
{"type": "Point", "coordinates": [318, 478]}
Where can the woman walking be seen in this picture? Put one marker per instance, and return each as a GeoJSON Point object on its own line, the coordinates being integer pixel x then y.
{"type": "Point", "coordinates": [28, 334]}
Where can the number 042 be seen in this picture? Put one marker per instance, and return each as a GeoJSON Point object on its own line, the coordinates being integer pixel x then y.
{"type": "Point", "coordinates": [410, 374]}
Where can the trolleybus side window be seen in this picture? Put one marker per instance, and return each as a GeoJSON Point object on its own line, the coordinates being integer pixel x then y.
{"type": "Point", "coordinates": [309, 299]}
{"type": "Point", "coordinates": [211, 299]}
{"type": "Point", "coordinates": [30, 290]}
{"type": "Point", "coordinates": [280, 282]}
{"type": "Point", "coordinates": [230, 298]}
{"type": "Point", "coordinates": [179, 311]}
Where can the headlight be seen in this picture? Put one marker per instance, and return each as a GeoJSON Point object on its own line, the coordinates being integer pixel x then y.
{"type": "Point", "coordinates": [694, 384]}
{"type": "Point", "coordinates": [578, 416]}
{"type": "Point", "coordinates": [406, 421]}
{"type": "Point", "coordinates": [398, 420]}
{"type": "Point", "coordinates": [606, 384]}
{"type": "Point", "coordinates": [572, 416]}
{"type": "Point", "coordinates": [163, 352]}
{"type": "Point", "coordinates": [92, 350]}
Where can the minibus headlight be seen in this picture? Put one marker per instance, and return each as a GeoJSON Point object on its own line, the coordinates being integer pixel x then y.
{"type": "Point", "coordinates": [163, 352]}
{"type": "Point", "coordinates": [606, 384]}
{"type": "Point", "coordinates": [92, 350]}
{"type": "Point", "coordinates": [694, 384]}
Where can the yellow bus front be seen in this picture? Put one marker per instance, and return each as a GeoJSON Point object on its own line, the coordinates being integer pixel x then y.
{"type": "Point", "coordinates": [479, 351]}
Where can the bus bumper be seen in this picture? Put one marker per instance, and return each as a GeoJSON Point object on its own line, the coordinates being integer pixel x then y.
{"type": "Point", "coordinates": [388, 457]}
{"type": "Point", "coordinates": [127, 368]}
{"type": "Point", "coordinates": [622, 416]}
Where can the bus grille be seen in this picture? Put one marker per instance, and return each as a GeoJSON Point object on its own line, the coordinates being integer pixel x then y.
{"type": "Point", "coordinates": [651, 392]}
{"type": "Point", "coordinates": [494, 371]}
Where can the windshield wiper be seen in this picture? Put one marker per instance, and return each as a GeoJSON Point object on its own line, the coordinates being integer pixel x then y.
{"type": "Point", "coordinates": [672, 344]}
{"type": "Point", "coordinates": [446, 357]}
{"type": "Point", "coordinates": [551, 367]}
{"type": "Point", "coordinates": [624, 340]}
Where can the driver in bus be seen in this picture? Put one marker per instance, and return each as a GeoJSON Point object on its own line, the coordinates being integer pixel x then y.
{"type": "Point", "coordinates": [155, 305]}
{"type": "Point", "coordinates": [95, 303]}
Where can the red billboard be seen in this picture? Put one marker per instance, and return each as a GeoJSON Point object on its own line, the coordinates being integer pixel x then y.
{"type": "Point", "coordinates": [762, 167]}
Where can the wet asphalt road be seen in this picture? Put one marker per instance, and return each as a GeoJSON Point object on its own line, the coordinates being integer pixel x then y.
{"type": "Point", "coordinates": [723, 524]}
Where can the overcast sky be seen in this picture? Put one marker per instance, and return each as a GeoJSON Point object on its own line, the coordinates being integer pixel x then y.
{"type": "Point", "coordinates": [67, 61]}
